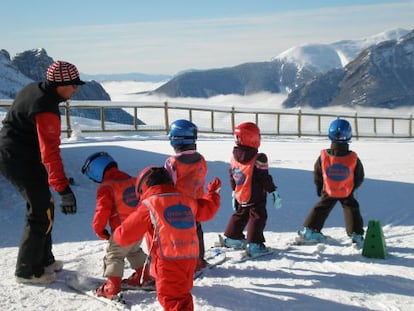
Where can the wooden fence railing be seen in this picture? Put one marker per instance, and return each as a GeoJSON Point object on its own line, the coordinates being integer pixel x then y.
{"type": "Point", "coordinates": [156, 117]}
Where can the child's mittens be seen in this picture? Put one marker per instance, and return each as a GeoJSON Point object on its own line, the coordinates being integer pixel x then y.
{"type": "Point", "coordinates": [277, 200]}
{"type": "Point", "coordinates": [233, 201]}
{"type": "Point", "coordinates": [214, 185]}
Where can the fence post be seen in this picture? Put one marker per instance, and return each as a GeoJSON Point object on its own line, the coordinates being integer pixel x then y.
{"type": "Point", "coordinates": [233, 125]}
{"type": "Point", "coordinates": [212, 120]}
{"type": "Point", "coordinates": [67, 114]}
{"type": "Point", "coordinates": [319, 124]}
{"type": "Point", "coordinates": [278, 124]}
{"type": "Point", "coordinates": [410, 124]}
{"type": "Point", "coordinates": [102, 113]}
{"type": "Point", "coordinates": [299, 122]}
{"type": "Point", "coordinates": [136, 118]}
{"type": "Point", "coordinates": [356, 125]}
{"type": "Point", "coordinates": [167, 122]}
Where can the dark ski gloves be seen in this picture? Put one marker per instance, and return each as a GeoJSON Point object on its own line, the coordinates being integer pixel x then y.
{"type": "Point", "coordinates": [67, 201]}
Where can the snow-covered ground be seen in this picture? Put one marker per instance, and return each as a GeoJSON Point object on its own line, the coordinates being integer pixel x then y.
{"type": "Point", "coordinates": [321, 277]}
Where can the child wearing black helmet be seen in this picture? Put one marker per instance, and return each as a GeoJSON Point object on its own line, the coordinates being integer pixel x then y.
{"type": "Point", "coordinates": [188, 169]}
{"type": "Point", "coordinates": [167, 218]}
{"type": "Point", "coordinates": [115, 201]}
{"type": "Point", "coordinates": [337, 173]}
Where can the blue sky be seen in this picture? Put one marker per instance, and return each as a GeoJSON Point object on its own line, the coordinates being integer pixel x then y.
{"type": "Point", "coordinates": [167, 36]}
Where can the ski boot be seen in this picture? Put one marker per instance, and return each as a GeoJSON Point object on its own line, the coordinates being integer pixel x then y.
{"type": "Point", "coordinates": [233, 243]}
{"type": "Point", "coordinates": [256, 249]}
{"type": "Point", "coordinates": [357, 240]}
{"type": "Point", "coordinates": [110, 289]}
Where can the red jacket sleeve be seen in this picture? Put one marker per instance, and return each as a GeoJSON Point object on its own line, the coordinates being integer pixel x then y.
{"type": "Point", "coordinates": [48, 132]}
{"type": "Point", "coordinates": [103, 209]}
{"type": "Point", "coordinates": [208, 206]}
{"type": "Point", "coordinates": [134, 227]}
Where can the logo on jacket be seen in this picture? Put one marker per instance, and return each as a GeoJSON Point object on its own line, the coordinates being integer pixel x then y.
{"type": "Point", "coordinates": [129, 197]}
{"type": "Point", "coordinates": [238, 176]}
{"type": "Point", "coordinates": [337, 172]}
{"type": "Point", "coordinates": [179, 216]}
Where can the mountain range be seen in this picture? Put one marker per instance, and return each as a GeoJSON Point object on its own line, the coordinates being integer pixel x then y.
{"type": "Point", "coordinates": [313, 74]}
{"type": "Point", "coordinates": [380, 76]}
{"type": "Point", "coordinates": [376, 71]}
{"type": "Point", "coordinates": [31, 65]}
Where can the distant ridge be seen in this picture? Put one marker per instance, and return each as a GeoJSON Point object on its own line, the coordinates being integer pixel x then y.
{"type": "Point", "coordinates": [289, 72]}
{"type": "Point", "coordinates": [133, 76]}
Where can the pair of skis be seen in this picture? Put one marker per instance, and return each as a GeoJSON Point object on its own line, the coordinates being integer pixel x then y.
{"type": "Point", "coordinates": [87, 285]}
{"type": "Point", "coordinates": [240, 255]}
{"type": "Point", "coordinates": [218, 254]}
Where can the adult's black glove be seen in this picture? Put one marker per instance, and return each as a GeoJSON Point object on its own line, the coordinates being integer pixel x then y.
{"type": "Point", "coordinates": [67, 201]}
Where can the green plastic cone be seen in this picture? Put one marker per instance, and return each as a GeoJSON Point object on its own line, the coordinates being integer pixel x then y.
{"type": "Point", "coordinates": [374, 244]}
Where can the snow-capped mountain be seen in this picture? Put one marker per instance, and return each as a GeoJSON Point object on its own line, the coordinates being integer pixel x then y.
{"type": "Point", "coordinates": [11, 79]}
{"type": "Point", "coordinates": [325, 57]}
{"type": "Point", "coordinates": [284, 73]}
{"type": "Point", "coordinates": [30, 66]}
{"type": "Point", "coordinates": [380, 76]}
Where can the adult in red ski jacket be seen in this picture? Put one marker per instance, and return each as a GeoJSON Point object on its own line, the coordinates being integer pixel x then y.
{"type": "Point", "coordinates": [115, 201]}
{"type": "Point", "coordinates": [168, 218]}
{"type": "Point", "coordinates": [30, 159]}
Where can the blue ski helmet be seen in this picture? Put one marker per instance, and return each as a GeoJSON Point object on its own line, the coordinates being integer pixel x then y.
{"type": "Point", "coordinates": [96, 165]}
{"type": "Point", "coordinates": [340, 131]}
{"type": "Point", "coordinates": [182, 132]}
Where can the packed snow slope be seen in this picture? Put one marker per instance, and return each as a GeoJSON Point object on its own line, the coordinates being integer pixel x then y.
{"type": "Point", "coordinates": [323, 277]}
{"type": "Point", "coordinates": [333, 276]}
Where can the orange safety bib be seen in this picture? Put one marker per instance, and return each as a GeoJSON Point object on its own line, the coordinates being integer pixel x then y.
{"type": "Point", "coordinates": [338, 174]}
{"type": "Point", "coordinates": [242, 174]}
{"type": "Point", "coordinates": [190, 177]}
{"type": "Point", "coordinates": [173, 217]}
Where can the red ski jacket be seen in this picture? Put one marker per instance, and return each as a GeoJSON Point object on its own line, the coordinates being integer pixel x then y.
{"type": "Point", "coordinates": [140, 223]}
{"type": "Point", "coordinates": [115, 200]}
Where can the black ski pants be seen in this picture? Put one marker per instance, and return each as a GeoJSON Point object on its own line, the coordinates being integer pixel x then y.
{"type": "Point", "coordinates": [200, 235]}
{"type": "Point", "coordinates": [254, 217]}
{"type": "Point", "coordinates": [31, 180]}
{"type": "Point", "coordinates": [321, 210]}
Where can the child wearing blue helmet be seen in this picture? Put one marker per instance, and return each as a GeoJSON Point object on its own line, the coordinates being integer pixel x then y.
{"type": "Point", "coordinates": [188, 169]}
{"type": "Point", "coordinates": [337, 173]}
{"type": "Point", "coordinates": [115, 201]}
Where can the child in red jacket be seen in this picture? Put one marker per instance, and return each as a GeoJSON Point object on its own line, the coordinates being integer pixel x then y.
{"type": "Point", "coordinates": [115, 200]}
{"type": "Point", "coordinates": [168, 218]}
{"type": "Point", "coordinates": [188, 169]}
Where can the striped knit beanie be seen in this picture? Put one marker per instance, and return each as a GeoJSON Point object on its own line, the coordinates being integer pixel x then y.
{"type": "Point", "coordinates": [63, 73]}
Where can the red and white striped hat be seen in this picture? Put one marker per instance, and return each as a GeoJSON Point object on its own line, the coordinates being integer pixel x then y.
{"type": "Point", "coordinates": [63, 73]}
